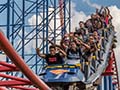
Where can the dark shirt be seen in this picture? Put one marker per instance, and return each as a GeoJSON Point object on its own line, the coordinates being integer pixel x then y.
{"type": "Point", "coordinates": [71, 54]}
{"type": "Point", "coordinates": [54, 59]}
{"type": "Point", "coordinates": [92, 49]}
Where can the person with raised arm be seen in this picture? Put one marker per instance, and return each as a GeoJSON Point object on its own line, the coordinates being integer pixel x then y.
{"type": "Point", "coordinates": [53, 57]}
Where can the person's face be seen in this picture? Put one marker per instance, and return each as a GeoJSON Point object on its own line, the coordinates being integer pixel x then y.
{"type": "Point", "coordinates": [52, 51]}
{"type": "Point", "coordinates": [81, 25]}
{"type": "Point", "coordinates": [73, 45]}
{"type": "Point", "coordinates": [67, 43]}
{"type": "Point", "coordinates": [95, 34]}
{"type": "Point", "coordinates": [99, 25]}
{"type": "Point", "coordinates": [91, 39]}
{"type": "Point", "coordinates": [93, 16]}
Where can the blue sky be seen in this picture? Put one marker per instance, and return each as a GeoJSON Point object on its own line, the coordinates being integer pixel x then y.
{"type": "Point", "coordinates": [81, 5]}
{"type": "Point", "coordinates": [107, 2]}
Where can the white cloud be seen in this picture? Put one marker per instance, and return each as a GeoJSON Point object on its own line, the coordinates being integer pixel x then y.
{"type": "Point", "coordinates": [2, 57]}
{"type": "Point", "coordinates": [77, 16]}
{"type": "Point", "coordinates": [32, 21]}
{"type": "Point", "coordinates": [94, 5]}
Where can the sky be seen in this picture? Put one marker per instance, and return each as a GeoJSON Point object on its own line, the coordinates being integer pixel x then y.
{"type": "Point", "coordinates": [89, 6]}
{"type": "Point", "coordinates": [83, 8]}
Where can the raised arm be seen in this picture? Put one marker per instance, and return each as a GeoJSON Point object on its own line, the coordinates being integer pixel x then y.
{"type": "Point", "coordinates": [62, 52]}
{"type": "Point", "coordinates": [39, 54]}
{"type": "Point", "coordinates": [84, 44]}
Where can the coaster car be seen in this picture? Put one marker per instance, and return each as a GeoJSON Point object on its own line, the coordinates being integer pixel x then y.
{"type": "Point", "coordinates": [63, 77]}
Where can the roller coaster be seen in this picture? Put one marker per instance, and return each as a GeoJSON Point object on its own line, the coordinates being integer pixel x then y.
{"type": "Point", "coordinates": [29, 24]}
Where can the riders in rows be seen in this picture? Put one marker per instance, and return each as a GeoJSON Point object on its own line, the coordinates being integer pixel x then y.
{"type": "Point", "coordinates": [86, 41]}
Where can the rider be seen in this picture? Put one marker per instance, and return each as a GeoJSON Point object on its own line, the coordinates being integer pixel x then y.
{"type": "Point", "coordinates": [53, 57]}
{"type": "Point", "coordinates": [73, 53]}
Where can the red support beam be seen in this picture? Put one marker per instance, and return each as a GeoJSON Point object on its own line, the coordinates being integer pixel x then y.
{"type": "Point", "coordinates": [17, 82]}
{"type": "Point", "coordinates": [24, 88]}
{"type": "Point", "coordinates": [109, 69]}
{"type": "Point", "coordinates": [7, 64]}
{"type": "Point", "coordinates": [15, 78]}
{"type": "Point", "coordinates": [61, 13]}
{"type": "Point", "coordinates": [13, 83]}
{"type": "Point", "coordinates": [115, 83]}
{"type": "Point", "coordinates": [3, 88]}
{"type": "Point", "coordinates": [19, 62]}
{"type": "Point", "coordinates": [0, 49]}
{"type": "Point", "coordinates": [116, 70]}
{"type": "Point", "coordinates": [6, 69]}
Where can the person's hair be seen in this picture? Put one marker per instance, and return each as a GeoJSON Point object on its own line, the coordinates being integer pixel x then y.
{"type": "Point", "coordinates": [73, 41]}
{"type": "Point", "coordinates": [81, 22]}
{"type": "Point", "coordinates": [52, 46]}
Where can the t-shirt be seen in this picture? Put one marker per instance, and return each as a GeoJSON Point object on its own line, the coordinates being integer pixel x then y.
{"type": "Point", "coordinates": [71, 54]}
{"type": "Point", "coordinates": [54, 59]}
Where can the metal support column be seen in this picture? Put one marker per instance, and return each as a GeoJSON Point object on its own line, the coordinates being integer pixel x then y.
{"type": "Point", "coordinates": [110, 83]}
